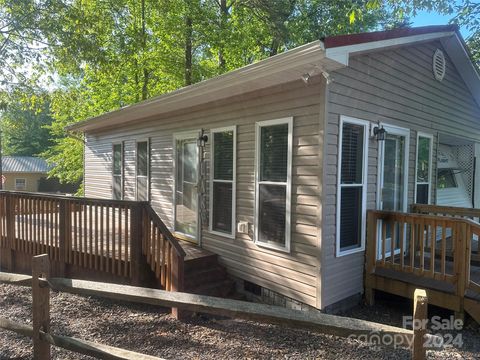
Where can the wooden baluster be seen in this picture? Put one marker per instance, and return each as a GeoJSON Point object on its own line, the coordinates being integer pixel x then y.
{"type": "Point", "coordinates": [393, 241]}
{"type": "Point", "coordinates": [107, 235]}
{"type": "Point", "coordinates": [75, 233]}
{"type": "Point", "coordinates": [403, 225]}
{"type": "Point", "coordinates": [384, 241]}
{"type": "Point", "coordinates": [159, 240]}
{"type": "Point", "coordinates": [96, 259]}
{"type": "Point", "coordinates": [90, 237]}
{"type": "Point", "coordinates": [84, 235]}
{"type": "Point", "coordinates": [126, 243]}
{"type": "Point", "coordinates": [120, 237]}
{"type": "Point", "coordinates": [433, 243]}
{"type": "Point", "coordinates": [421, 243]}
{"type": "Point", "coordinates": [443, 255]}
{"type": "Point", "coordinates": [164, 264]}
{"type": "Point", "coordinates": [43, 235]}
{"type": "Point", "coordinates": [114, 240]}
{"type": "Point", "coordinates": [102, 235]}
{"type": "Point", "coordinates": [169, 267]}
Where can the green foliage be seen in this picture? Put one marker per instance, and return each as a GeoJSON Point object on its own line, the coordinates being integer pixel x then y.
{"type": "Point", "coordinates": [24, 125]}
{"type": "Point", "coordinates": [106, 54]}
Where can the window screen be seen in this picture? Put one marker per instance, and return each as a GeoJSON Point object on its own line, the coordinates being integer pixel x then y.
{"type": "Point", "coordinates": [350, 216]}
{"type": "Point", "coordinates": [223, 181]}
{"type": "Point", "coordinates": [423, 177]}
{"type": "Point", "coordinates": [273, 183]}
{"type": "Point", "coordinates": [20, 184]}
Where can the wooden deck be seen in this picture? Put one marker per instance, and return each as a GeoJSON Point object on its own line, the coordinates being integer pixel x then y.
{"type": "Point", "coordinates": [435, 252]}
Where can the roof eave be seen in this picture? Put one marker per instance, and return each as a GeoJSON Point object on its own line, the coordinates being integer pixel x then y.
{"type": "Point", "coordinates": [278, 69]}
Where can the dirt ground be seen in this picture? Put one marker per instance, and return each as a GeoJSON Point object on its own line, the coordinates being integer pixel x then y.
{"type": "Point", "coordinates": [151, 330]}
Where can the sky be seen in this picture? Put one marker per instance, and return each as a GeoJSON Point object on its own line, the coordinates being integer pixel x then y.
{"type": "Point", "coordinates": [424, 18]}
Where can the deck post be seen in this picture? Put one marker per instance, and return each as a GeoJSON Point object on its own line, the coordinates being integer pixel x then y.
{"type": "Point", "coordinates": [178, 282]}
{"type": "Point", "coordinates": [460, 256]}
{"type": "Point", "coordinates": [10, 231]}
{"type": "Point", "coordinates": [40, 306]}
{"type": "Point", "coordinates": [138, 260]}
{"type": "Point", "coordinates": [420, 316]}
{"type": "Point", "coordinates": [370, 255]}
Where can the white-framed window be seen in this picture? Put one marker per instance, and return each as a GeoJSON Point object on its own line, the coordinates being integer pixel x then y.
{"type": "Point", "coordinates": [223, 181]}
{"type": "Point", "coordinates": [423, 168]}
{"type": "Point", "coordinates": [142, 186]}
{"type": "Point", "coordinates": [273, 183]}
{"type": "Point", "coordinates": [20, 184]}
{"type": "Point", "coordinates": [117, 171]}
{"type": "Point", "coordinates": [352, 185]}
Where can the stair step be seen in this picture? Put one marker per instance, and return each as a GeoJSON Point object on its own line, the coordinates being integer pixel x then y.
{"type": "Point", "coordinates": [218, 288]}
{"type": "Point", "coordinates": [194, 277]}
{"type": "Point", "coordinates": [472, 307]}
{"type": "Point", "coordinates": [201, 263]}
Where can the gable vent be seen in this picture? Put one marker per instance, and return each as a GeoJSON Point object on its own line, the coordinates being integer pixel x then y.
{"type": "Point", "coordinates": [439, 65]}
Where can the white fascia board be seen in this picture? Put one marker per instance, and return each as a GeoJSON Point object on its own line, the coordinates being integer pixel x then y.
{"type": "Point", "coordinates": [274, 70]}
{"type": "Point", "coordinates": [342, 54]}
{"type": "Point", "coordinates": [461, 59]}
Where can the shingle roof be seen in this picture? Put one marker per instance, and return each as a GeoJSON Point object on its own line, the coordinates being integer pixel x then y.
{"type": "Point", "coordinates": [24, 164]}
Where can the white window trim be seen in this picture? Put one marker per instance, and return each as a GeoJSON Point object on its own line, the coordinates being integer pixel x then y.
{"type": "Point", "coordinates": [122, 174]}
{"type": "Point", "coordinates": [366, 136]}
{"type": "Point", "coordinates": [25, 186]}
{"type": "Point", "coordinates": [288, 184]}
{"type": "Point", "coordinates": [147, 140]}
{"type": "Point", "coordinates": [233, 181]}
{"type": "Point", "coordinates": [430, 164]}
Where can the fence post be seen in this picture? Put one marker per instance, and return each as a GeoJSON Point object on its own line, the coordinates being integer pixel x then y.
{"type": "Point", "coordinates": [40, 306]}
{"type": "Point", "coordinates": [420, 315]}
{"type": "Point", "coordinates": [137, 261]}
{"type": "Point", "coordinates": [177, 282]}
{"type": "Point", "coordinates": [10, 229]}
{"type": "Point", "coordinates": [370, 254]}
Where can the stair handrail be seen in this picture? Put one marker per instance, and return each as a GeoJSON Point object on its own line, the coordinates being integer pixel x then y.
{"type": "Point", "coordinates": [165, 231]}
{"type": "Point", "coordinates": [452, 211]}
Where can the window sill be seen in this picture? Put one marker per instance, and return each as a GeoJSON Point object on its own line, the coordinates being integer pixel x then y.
{"type": "Point", "coordinates": [285, 249]}
{"type": "Point", "coordinates": [221, 234]}
{"type": "Point", "coordinates": [349, 252]}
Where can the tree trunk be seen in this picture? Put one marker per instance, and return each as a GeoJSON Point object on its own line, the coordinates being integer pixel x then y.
{"type": "Point", "coordinates": [224, 13]}
{"type": "Point", "coordinates": [188, 49]}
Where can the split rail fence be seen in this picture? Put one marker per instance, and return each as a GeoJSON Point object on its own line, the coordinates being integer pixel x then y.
{"type": "Point", "coordinates": [43, 337]}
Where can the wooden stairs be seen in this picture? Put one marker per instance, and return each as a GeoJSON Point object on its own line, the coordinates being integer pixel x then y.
{"type": "Point", "coordinates": [204, 275]}
{"type": "Point", "coordinates": [472, 307]}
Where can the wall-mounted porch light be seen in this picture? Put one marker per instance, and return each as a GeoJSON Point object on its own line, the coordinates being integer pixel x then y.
{"type": "Point", "coordinates": [379, 133]}
{"type": "Point", "coordinates": [202, 139]}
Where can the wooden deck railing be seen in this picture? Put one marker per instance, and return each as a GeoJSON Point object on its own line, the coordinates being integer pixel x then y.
{"type": "Point", "coordinates": [435, 247]}
{"type": "Point", "coordinates": [115, 237]}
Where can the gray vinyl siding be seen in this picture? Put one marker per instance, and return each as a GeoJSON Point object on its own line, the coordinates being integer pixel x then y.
{"type": "Point", "coordinates": [294, 274]}
{"type": "Point", "coordinates": [396, 87]}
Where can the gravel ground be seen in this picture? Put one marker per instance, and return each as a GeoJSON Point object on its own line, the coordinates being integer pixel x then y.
{"type": "Point", "coordinates": [152, 331]}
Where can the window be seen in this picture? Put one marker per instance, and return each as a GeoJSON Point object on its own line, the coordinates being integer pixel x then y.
{"type": "Point", "coordinates": [273, 182]}
{"type": "Point", "coordinates": [117, 171]}
{"type": "Point", "coordinates": [446, 179]}
{"type": "Point", "coordinates": [423, 177]}
{"type": "Point", "coordinates": [222, 184]}
{"type": "Point", "coordinates": [20, 184]}
{"type": "Point", "coordinates": [143, 170]}
{"type": "Point", "coordinates": [351, 195]}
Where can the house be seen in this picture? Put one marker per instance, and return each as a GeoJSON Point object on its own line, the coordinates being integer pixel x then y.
{"type": "Point", "coordinates": [23, 173]}
{"type": "Point", "coordinates": [273, 166]}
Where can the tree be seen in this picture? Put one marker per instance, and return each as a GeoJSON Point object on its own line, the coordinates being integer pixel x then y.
{"type": "Point", "coordinates": [24, 126]}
